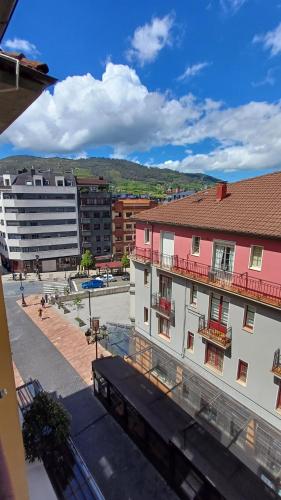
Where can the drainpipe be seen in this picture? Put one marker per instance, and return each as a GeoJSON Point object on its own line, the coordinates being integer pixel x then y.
{"type": "Point", "coordinates": [150, 283]}
{"type": "Point", "coordinates": [184, 322]}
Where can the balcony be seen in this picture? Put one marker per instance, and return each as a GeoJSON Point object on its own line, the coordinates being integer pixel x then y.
{"type": "Point", "coordinates": [276, 366]}
{"type": "Point", "coordinates": [241, 284]}
{"type": "Point", "coordinates": [219, 336]}
{"type": "Point", "coordinates": [141, 254]}
{"type": "Point", "coordinates": [164, 306]}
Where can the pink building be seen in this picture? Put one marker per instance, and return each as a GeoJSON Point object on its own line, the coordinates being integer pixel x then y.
{"type": "Point", "coordinates": [207, 273]}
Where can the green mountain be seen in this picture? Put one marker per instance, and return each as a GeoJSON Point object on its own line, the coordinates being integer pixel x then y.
{"type": "Point", "coordinates": [123, 175]}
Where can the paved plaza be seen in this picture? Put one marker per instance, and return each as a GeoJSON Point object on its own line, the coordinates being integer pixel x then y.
{"type": "Point", "coordinates": [55, 351]}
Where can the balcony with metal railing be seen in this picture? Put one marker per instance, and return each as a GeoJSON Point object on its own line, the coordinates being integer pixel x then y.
{"type": "Point", "coordinates": [219, 336]}
{"type": "Point", "coordinates": [141, 254]}
{"type": "Point", "coordinates": [241, 284]}
{"type": "Point", "coordinates": [276, 366]}
{"type": "Point", "coordinates": [164, 305]}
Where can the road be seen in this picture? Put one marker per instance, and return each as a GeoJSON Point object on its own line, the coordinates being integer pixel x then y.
{"type": "Point", "coordinates": [120, 469]}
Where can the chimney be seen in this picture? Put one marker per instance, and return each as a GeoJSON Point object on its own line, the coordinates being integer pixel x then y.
{"type": "Point", "coordinates": [221, 192]}
{"type": "Point", "coordinates": [32, 171]}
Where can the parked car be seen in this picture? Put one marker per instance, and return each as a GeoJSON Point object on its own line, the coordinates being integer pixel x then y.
{"type": "Point", "coordinates": [92, 284]}
{"type": "Point", "coordinates": [110, 277]}
{"type": "Point", "coordinates": [79, 275]}
{"type": "Point", "coordinates": [126, 277]}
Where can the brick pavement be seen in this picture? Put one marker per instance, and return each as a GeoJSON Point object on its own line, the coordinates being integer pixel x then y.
{"type": "Point", "coordinates": [67, 338]}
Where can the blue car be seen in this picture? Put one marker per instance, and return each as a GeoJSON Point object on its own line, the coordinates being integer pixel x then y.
{"type": "Point", "coordinates": [92, 284]}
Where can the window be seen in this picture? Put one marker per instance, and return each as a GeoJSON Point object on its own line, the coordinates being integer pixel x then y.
{"type": "Point", "coordinates": [164, 327]}
{"type": "Point", "coordinates": [223, 258]}
{"type": "Point", "coordinates": [146, 276]}
{"type": "Point", "coordinates": [106, 237]}
{"type": "Point", "coordinates": [96, 215]}
{"type": "Point", "coordinates": [242, 371]}
{"type": "Point", "coordinates": [145, 315]}
{"type": "Point", "coordinates": [147, 235]}
{"type": "Point", "coordinates": [219, 310]}
{"type": "Point", "coordinates": [128, 226]}
{"type": "Point", "coordinates": [278, 402]}
{"type": "Point", "coordinates": [97, 238]}
{"type": "Point", "coordinates": [193, 295]}
{"type": "Point", "coordinates": [195, 245]}
{"type": "Point", "coordinates": [129, 214]}
{"type": "Point", "coordinates": [7, 182]}
{"type": "Point", "coordinates": [249, 317]}
{"type": "Point", "coordinates": [107, 225]}
{"type": "Point", "coordinates": [129, 237]}
{"type": "Point", "coordinates": [119, 238]}
{"type": "Point", "coordinates": [60, 182]}
{"type": "Point", "coordinates": [165, 286]}
{"type": "Point", "coordinates": [38, 182]}
{"type": "Point", "coordinates": [190, 341]}
{"type": "Point", "coordinates": [214, 357]}
{"type": "Point", "coordinates": [256, 258]}
{"type": "Point", "coordinates": [96, 226]}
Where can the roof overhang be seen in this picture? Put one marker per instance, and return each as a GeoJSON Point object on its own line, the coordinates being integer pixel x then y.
{"type": "Point", "coordinates": [17, 93]}
{"type": "Point", "coordinates": [7, 8]}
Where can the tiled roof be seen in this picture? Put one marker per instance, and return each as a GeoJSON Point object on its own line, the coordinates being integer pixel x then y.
{"type": "Point", "coordinates": [30, 63]}
{"type": "Point", "coordinates": [252, 206]}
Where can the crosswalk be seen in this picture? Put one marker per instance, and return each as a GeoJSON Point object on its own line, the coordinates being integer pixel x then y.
{"type": "Point", "coordinates": [51, 288]}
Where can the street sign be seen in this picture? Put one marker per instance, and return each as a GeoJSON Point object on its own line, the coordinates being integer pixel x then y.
{"type": "Point", "coordinates": [21, 288]}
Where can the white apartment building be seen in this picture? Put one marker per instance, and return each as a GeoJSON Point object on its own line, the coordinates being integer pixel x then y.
{"type": "Point", "coordinates": [39, 226]}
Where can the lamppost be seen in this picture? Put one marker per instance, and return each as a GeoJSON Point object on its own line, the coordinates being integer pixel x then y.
{"type": "Point", "coordinates": [37, 266]}
{"type": "Point", "coordinates": [23, 303]}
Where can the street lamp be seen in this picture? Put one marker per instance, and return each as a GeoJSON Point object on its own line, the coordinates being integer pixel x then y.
{"type": "Point", "coordinates": [23, 303]}
{"type": "Point", "coordinates": [37, 266]}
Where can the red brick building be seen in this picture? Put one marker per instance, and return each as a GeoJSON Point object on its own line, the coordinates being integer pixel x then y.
{"type": "Point", "coordinates": [123, 228]}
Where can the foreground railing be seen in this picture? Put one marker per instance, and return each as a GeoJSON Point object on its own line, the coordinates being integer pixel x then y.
{"type": "Point", "coordinates": [276, 366]}
{"type": "Point", "coordinates": [219, 337]}
{"type": "Point", "coordinates": [141, 254]}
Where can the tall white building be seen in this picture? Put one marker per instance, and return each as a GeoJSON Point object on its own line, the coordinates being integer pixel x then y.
{"type": "Point", "coordinates": [38, 221]}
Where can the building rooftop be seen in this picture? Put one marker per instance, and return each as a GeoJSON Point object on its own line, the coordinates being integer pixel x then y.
{"type": "Point", "coordinates": [91, 181]}
{"type": "Point", "coordinates": [135, 201]}
{"type": "Point", "coordinates": [250, 207]}
{"type": "Point", "coordinates": [232, 479]}
{"type": "Point", "coordinates": [49, 178]}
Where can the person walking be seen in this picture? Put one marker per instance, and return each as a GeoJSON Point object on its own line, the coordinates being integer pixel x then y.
{"type": "Point", "coordinates": [43, 302]}
{"type": "Point", "coordinates": [40, 313]}
{"type": "Point", "coordinates": [46, 298]}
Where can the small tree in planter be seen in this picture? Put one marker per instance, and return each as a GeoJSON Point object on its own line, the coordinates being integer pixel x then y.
{"type": "Point", "coordinates": [87, 260]}
{"type": "Point", "coordinates": [46, 429]}
{"type": "Point", "coordinates": [77, 303]}
{"type": "Point", "coordinates": [125, 261]}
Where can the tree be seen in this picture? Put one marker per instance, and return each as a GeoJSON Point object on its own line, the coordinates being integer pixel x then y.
{"type": "Point", "coordinates": [77, 303]}
{"type": "Point", "coordinates": [87, 260]}
{"type": "Point", "coordinates": [125, 261]}
{"type": "Point", "coordinates": [46, 429]}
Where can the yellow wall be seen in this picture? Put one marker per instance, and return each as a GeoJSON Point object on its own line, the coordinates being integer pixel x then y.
{"type": "Point", "coordinates": [10, 432]}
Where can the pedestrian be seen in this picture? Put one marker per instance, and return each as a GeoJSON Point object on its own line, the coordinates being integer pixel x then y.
{"type": "Point", "coordinates": [40, 312]}
{"type": "Point", "coordinates": [42, 302]}
{"type": "Point", "coordinates": [46, 298]}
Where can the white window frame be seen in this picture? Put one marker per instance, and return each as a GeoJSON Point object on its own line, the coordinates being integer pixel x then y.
{"type": "Point", "coordinates": [192, 245]}
{"type": "Point", "coordinates": [147, 231]}
{"type": "Point", "coordinates": [224, 243]}
{"type": "Point", "coordinates": [250, 258]}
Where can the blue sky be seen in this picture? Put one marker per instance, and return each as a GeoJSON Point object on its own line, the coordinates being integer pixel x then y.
{"type": "Point", "coordinates": [192, 85]}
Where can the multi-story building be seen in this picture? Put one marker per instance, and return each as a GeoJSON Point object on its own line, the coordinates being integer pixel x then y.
{"type": "Point", "coordinates": [123, 227]}
{"type": "Point", "coordinates": [94, 200]}
{"type": "Point", "coordinates": [207, 273]}
{"type": "Point", "coordinates": [39, 221]}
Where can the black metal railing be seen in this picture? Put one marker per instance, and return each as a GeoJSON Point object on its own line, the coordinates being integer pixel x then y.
{"type": "Point", "coordinates": [163, 305]}
{"type": "Point", "coordinates": [222, 336]}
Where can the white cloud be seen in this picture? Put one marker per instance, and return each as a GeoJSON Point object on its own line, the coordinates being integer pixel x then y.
{"type": "Point", "coordinates": [231, 6]}
{"type": "Point", "coordinates": [267, 80]}
{"type": "Point", "coordinates": [120, 112]}
{"type": "Point", "coordinates": [270, 40]}
{"type": "Point", "coordinates": [149, 39]}
{"type": "Point", "coordinates": [18, 44]}
{"type": "Point", "coordinates": [193, 70]}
